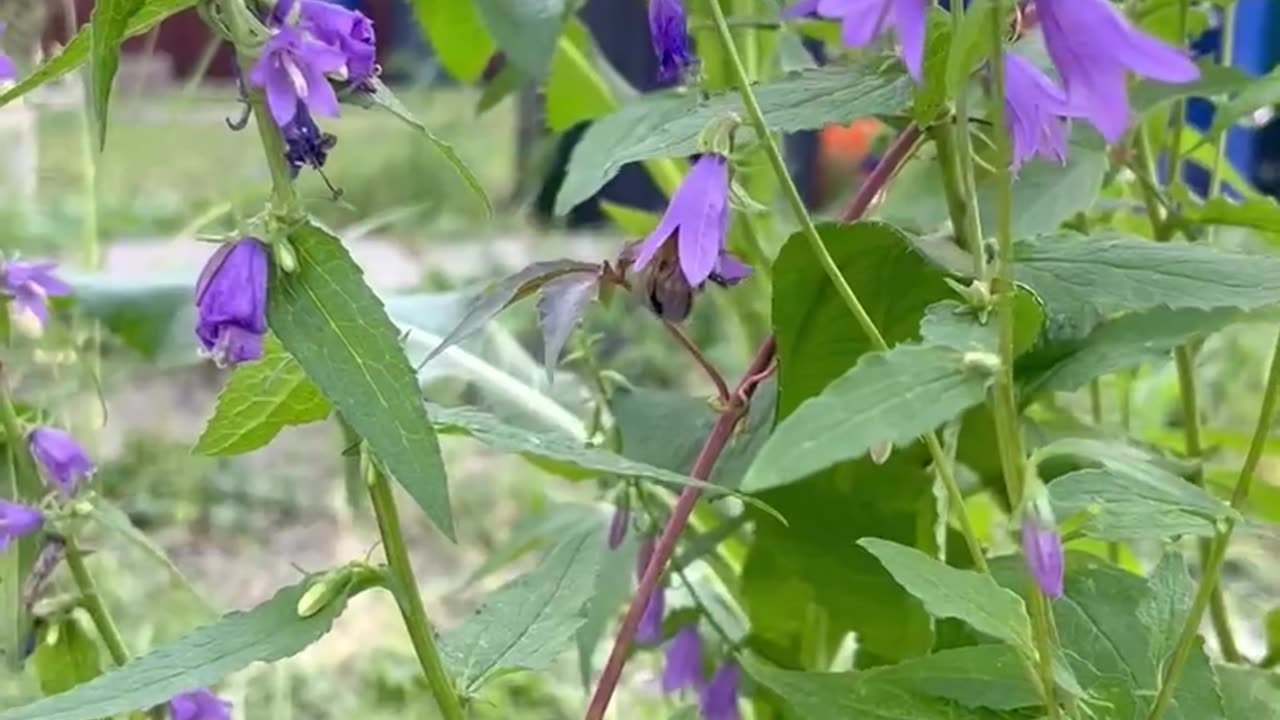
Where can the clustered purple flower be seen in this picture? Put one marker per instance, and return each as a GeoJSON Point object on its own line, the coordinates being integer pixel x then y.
{"type": "Point", "coordinates": [231, 302]}
{"type": "Point", "coordinates": [29, 285]}
{"type": "Point", "coordinates": [199, 705]}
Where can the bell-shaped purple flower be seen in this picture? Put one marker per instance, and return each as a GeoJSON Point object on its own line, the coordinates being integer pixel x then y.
{"type": "Point", "coordinates": [682, 666]}
{"type": "Point", "coordinates": [696, 220]}
{"type": "Point", "coordinates": [347, 30]}
{"type": "Point", "coordinates": [305, 143]}
{"type": "Point", "coordinates": [863, 20]}
{"type": "Point", "coordinates": [231, 302]}
{"type": "Point", "coordinates": [29, 285]}
{"type": "Point", "coordinates": [719, 699]}
{"type": "Point", "coordinates": [670, 35]}
{"type": "Point", "coordinates": [199, 705]}
{"type": "Point", "coordinates": [1042, 546]}
{"type": "Point", "coordinates": [649, 631]}
{"type": "Point", "coordinates": [1092, 45]}
{"type": "Point", "coordinates": [17, 520]}
{"type": "Point", "coordinates": [620, 522]}
{"type": "Point", "coordinates": [292, 69]}
{"type": "Point", "coordinates": [7, 69]}
{"type": "Point", "coordinates": [1036, 109]}
{"type": "Point", "coordinates": [65, 463]}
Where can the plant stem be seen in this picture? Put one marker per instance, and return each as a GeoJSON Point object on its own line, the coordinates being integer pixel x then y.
{"type": "Point", "coordinates": [1044, 647]}
{"type": "Point", "coordinates": [964, 215]}
{"type": "Point", "coordinates": [897, 153]}
{"type": "Point", "coordinates": [284, 195]}
{"type": "Point", "coordinates": [1227, 56]}
{"type": "Point", "coordinates": [1218, 549]}
{"type": "Point", "coordinates": [91, 601]}
{"type": "Point", "coordinates": [722, 388]}
{"type": "Point", "coordinates": [1179, 106]}
{"type": "Point", "coordinates": [407, 596]}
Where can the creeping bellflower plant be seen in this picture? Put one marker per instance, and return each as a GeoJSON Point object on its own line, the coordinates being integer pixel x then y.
{"type": "Point", "coordinates": [64, 462]}
{"type": "Point", "coordinates": [1042, 546]}
{"type": "Point", "coordinates": [682, 667]}
{"type": "Point", "coordinates": [862, 20]}
{"type": "Point", "coordinates": [719, 699]}
{"type": "Point", "coordinates": [29, 285]}
{"type": "Point", "coordinates": [1036, 109]}
{"type": "Point", "coordinates": [1092, 45]}
{"type": "Point", "coordinates": [199, 705]}
{"type": "Point", "coordinates": [231, 302]}
{"type": "Point", "coordinates": [292, 70]}
{"type": "Point", "coordinates": [670, 35]}
{"type": "Point", "coordinates": [17, 520]}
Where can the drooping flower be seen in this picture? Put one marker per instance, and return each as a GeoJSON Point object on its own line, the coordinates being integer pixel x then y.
{"type": "Point", "coordinates": [1042, 546]}
{"type": "Point", "coordinates": [65, 463]}
{"type": "Point", "coordinates": [292, 69]}
{"type": "Point", "coordinates": [863, 20]}
{"type": "Point", "coordinates": [719, 700]}
{"type": "Point", "coordinates": [7, 69]}
{"type": "Point", "coordinates": [305, 143]}
{"type": "Point", "coordinates": [1036, 110]}
{"type": "Point", "coordinates": [347, 30]}
{"type": "Point", "coordinates": [649, 631]}
{"type": "Point", "coordinates": [1092, 45]}
{"type": "Point", "coordinates": [231, 302]}
{"type": "Point", "coordinates": [17, 520]}
{"type": "Point", "coordinates": [30, 284]}
{"type": "Point", "coordinates": [683, 663]}
{"type": "Point", "coordinates": [620, 522]}
{"type": "Point", "coordinates": [670, 35]}
{"type": "Point", "coordinates": [199, 705]}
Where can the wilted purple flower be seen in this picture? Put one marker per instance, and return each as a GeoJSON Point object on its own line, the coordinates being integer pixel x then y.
{"type": "Point", "coordinates": [1042, 547]}
{"type": "Point", "coordinates": [670, 36]}
{"type": "Point", "coordinates": [30, 284]}
{"type": "Point", "coordinates": [199, 705]}
{"type": "Point", "coordinates": [620, 522]}
{"type": "Point", "coordinates": [683, 662]}
{"type": "Point", "coordinates": [7, 69]}
{"type": "Point", "coordinates": [649, 631]}
{"type": "Point", "coordinates": [863, 20]}
{"type": "Point", "coordinates": [292, 69]}
{"type": "Point", "coordinates": [347, 30]}
{"type": "Point", "coordinates": [231, 302]}
{"type": "Point", "coordinates": [305, 143]}
{"type": "Point", "coordinates": [17, 520]}
{"type": "Point", "coordinates": [65, 463]}
{"type": "Point", "coordinates": [719, 699]}
{"type": "Point", "coordinates": [1092, 45]}
{"type": "Point", "coordinates": [1036, 109]}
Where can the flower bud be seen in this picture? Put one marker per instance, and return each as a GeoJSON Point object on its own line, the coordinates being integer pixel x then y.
{"type": "Point", "coordinates": [1041, 543]}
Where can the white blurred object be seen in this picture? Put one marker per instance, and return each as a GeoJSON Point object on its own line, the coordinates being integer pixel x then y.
{"type": "Point", "coordinates": [19, 157]}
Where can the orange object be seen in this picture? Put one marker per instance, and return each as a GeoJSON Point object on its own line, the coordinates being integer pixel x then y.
{"type": "Point", "coordinates": [847, 145]}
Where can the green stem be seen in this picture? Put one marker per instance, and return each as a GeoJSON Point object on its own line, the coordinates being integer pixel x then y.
{"type": "Point", "coordinates": [963, 149]}
{"type": "Point", "coordinates": [1220, 153]}
{"type": "Point", "coordinates": [1044, 647]}
{"type": "Point", "coordinates": [91, 601]}
{"type": "Point", "coordinates": [964, 217]}
{"type": "Point", "coordinates": [407, 596]}
{"type": "Point", "coordinates": [1179, 106]}
{"type": "Point", "coordinates": [284, 195]}
{"type": "Point", "coordinates": [940, 459]}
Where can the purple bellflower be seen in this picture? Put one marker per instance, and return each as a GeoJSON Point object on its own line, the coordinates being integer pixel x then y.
{"type": "Point", "coordinates": [683, 663]}
{"type": "Point", "coordinates": [670, 35]}
{"type": "Point", "coordinates": [1092, 45]}
{"type": "Point", "coordinates": [620, 522]}
{"type": "Point", "coordinates": [862, 20]}
{"type": "Point", "coordinates": [231, 302]}
{"type": "Point", "coordinates": [30, 284]}
{"type": "Point", "coordinates": [65, 463]}
{"type": "Point", "coordinates": [649, 631]}
{"type": "Point", "coordinates": [1042, 546]}
{"type": "Point", "coordinates": [16, 521]}
{"type": "Point", "coordinates": [7, 69]}
{"type": "Point", "coordinates": [199, 705]}
{"type": "Point", "coordinates": [719, 699]}
{"type": "Point", "coordinates": [1036, 109]}
{"type": "Point", "coordinates": [292, 69]}
{"type": "Point", "coordinates": [349, 31]}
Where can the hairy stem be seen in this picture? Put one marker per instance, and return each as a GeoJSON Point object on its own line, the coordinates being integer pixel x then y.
{"type": "Point", "coordinates": [407, 596]}
{"type": "Point", "coordinates": [964, 214]}
{"type": "Point", "coordinates": [91, 601]}
{"type": "Point", "coordinates": [284, 195]}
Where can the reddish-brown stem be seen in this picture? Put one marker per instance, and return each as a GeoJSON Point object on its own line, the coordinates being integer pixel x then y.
{"type": "Point", "coordinates": [722, 388]}
{"type": "Point", "coordinates": [715, 443]}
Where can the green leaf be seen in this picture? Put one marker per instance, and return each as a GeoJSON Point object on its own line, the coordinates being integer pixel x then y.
{"type": "Point", "coordinates": [631, 221]}
{"type": "Point", "coordinates": [611, 592]}
{"type": "Point", "coordinates": [76, 51]}
{"type": "Point", "coordinates": [526, 30]}
{"type": "Point", "coordinates": [1253, 93]}
{"type": "Point", "coordinates": [1115, 273]}
{"type": "Point", "coordinates": [527, 623]}
{"type": "Point", "coordinates": [335, 326]}
{"type": "Point", "coordinates": [1258, 213]}
{"type": "Point", "coordinates": [667, 125]}
{"type": "Point", "coordinates": [561, 305]}
{"type": "Point", "coordinates": [458, 36]}
{"type": "Point", "coordinates": [862, 695]}
{"type": "Point", "coordinates": [107, 27]}
{"type": "Point", "coordinates": [893, 396]}
{"type": "Point", "coordinates": [382, 97]}
{"type": "Point", "coordinates": [152, 317]}
{"type": "Point", "coordinates": [66, 654]}
{"type": "Point", "coordinates": [259, 400]}
{"type": "Point", "coordinates": [1248, 693]}
{"type": "Point", "coordinates": [1128, 506]}
{"type": "Point", "coordinates": [993, 676]}
{"type": "Point", "coordinates": [932, 92]}
{"type": "Point", "coordinates": [269, 632]}
{"type": "Point", "coordinates": [575, 91]}
{"type": "Point", "coordinates": [1215, 81]}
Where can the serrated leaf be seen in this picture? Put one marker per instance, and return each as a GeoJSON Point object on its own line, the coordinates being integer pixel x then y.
{"type": "Point", "coordinates": [337, 329]}
{"type": "Point", "coordinates": [1114, 273]}
{"type": "Point", "coordinates": [76, 51]}
{"type": "Point", "coordinates": [65, 656]}
{"type": "Point", "coordinates": [259, 400]}
{"type": "Point", "coordinates": [561, 305]}
{"type": "Point", "coordinates": [608, 598]}
{"type": "Point", "coordinates": [1128, 506]}
{"type": "Point", "coordinates": [1248, 693]}
{"type": "Point", "coordinates": [863, 695]}
{"type": "Point", "coordinates": [526, 30]}
{"type": "Point", "coordinates": [668, 125]}
{"type": "Point", "coordinates": [457, 34]}
{"type": "Point", "coordinates": [530, 621]}
{"type": "Point", "coordinates": [107, 27]}
{"type": "Point", "coordinates": [497, 297]}
{"type": "Point", "coordinates": [993, 676]}
{"type": "Point", "coordinates": [962, 594]}
{"type": "Point", "coordinates": [382, 97]}
{"type": "Point", "coordinates": [269, 632]}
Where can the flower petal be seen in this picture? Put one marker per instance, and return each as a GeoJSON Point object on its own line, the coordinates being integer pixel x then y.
{"type": "Point", "coordinates": [909, 17]}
